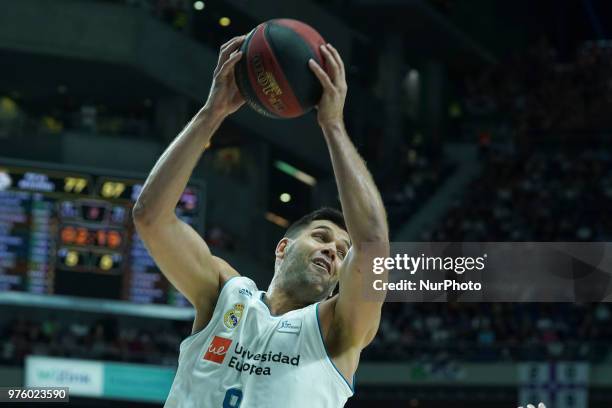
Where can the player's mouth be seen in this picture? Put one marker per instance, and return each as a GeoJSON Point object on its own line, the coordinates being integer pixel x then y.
{"type": "Point", "coordinates": [322, 264]}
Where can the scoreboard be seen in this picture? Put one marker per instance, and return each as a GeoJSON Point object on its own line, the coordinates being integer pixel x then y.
{"type": "Point", "coordinates": [70, 233]}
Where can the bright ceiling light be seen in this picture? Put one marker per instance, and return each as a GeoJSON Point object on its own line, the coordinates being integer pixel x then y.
{"type": "Point", "coordinates": [277, 219]}
{"type": "Point", "coordinates": [293, 172]}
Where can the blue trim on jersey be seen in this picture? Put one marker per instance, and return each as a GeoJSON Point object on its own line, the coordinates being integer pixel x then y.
{"type": "Point", "coordinates": [220, 292]}
{"type": "Point", "coordinates": [267, 308]}
{"type": "Point", "coordinates": [327, 354]}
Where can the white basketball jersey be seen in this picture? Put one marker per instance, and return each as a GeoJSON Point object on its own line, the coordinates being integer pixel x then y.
{"type": "Point", "coordinates": [247, 358]}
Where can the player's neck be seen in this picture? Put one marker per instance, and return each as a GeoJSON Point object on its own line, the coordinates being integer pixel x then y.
{"type": "Point", "coordinates": [280, 302]}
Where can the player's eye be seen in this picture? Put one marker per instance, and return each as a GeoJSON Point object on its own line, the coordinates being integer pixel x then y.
{"type": "Point", "coordinates": [319, 237]}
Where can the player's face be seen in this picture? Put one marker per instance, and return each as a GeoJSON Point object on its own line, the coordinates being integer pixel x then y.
{"type": "Point", "coordinates": [311, 262]}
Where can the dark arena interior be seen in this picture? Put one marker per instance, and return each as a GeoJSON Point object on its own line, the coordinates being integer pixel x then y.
{"type": "Point", "coordinates": [480, 121]}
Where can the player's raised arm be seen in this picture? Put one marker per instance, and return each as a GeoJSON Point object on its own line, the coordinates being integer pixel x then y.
{"type": "Point", "coordinates": [181, 254]}
{"type": "Point", "coordinates": [362, 206]}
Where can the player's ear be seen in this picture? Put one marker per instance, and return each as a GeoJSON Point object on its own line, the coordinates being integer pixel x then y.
{"type": "Point", "coordinates": [281, 247]}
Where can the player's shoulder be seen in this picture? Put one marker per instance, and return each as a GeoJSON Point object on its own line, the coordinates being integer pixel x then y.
{"type": "Point", "coordinates": [230, 276]}
{"type": "Point", "coordinates": [231, 284]}
{"type": "Point", "coordinates": [226, 271]}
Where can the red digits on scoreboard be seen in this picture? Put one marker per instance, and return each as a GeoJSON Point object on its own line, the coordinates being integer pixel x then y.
{"type": "Point", "coordinates": [114, 239]}
{"type": "Point", "coordinates": [81, 236]}
{"type": "Point", "coordinates": [101, 237]}
{"type": "Point", "coordinates": [68, 235]}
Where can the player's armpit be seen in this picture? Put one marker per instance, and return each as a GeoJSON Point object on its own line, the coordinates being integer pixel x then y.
{"type": "Point", "coordinates": [185, 259]}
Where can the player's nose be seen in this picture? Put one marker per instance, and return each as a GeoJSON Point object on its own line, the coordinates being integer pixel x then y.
{"type": "Point", "coordinates": [330, 253]}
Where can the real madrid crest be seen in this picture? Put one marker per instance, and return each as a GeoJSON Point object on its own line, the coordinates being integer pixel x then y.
{"type": "Point", "coordinates": [232, 317]}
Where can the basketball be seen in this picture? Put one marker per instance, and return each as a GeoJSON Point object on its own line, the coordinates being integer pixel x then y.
{"type": "Point", "coordinates": [273, 75]}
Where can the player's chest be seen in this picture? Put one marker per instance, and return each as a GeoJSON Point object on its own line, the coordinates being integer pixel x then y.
{"type": "Point", "coordinates": [250, 335]}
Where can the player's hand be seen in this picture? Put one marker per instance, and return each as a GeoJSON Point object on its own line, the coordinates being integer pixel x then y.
{"type": "Point", "coordinates": [331, 106]}
{"type": "Point", "coordinates": [540, 405]}
{"type": "Point", "coordinates": [224, 97]}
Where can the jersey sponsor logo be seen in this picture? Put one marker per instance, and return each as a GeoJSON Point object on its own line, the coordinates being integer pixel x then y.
{"type": "Point", "coordinates": [290, 326]}
{"type": "Point", "coordinates": [245, 292]}
{"type": "Point", "coordinates": [246, 361]}
{"type": "Point", "coordinates": [232, 317]}
{"type": "Point", "coordinates": [279, 357]}
{"type": "Point", "coordinates": [241, 366]}
{"type": "Point", "coordinates": [217, 349]}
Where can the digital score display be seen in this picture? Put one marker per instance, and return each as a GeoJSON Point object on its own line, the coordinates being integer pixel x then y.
{"type": "Point", "coordinates": [71, 233]}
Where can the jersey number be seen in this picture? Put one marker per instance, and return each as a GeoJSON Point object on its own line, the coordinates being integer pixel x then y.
{"type": "Point", "coordinates": [233, 398]}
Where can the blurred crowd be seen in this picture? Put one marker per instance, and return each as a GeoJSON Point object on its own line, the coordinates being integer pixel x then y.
{"type": "Point", "coordinates": [556, 192]}
{"type": "Point", "coordinates": [540, 93]}
{"type": "Point", "coordinates": [105, 339]}
{"type": "Point", "coordinates": [475, 332]}
{"type": "Point", "coordinates": [493, 332]}
{"type": "Point", "coordinates": [548, 195]}
{"type": "Point", "coordinates": [420, 175]}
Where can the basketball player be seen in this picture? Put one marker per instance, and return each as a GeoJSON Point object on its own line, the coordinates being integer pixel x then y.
{"type": "Point", "coordinates": [292, 345]}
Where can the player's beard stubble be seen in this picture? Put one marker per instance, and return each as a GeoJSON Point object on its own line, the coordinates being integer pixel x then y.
{"type": "Point", "coordinates": [297, 277]}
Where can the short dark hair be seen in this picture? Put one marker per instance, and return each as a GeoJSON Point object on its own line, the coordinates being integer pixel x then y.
{"type": "Point", "coordinates": [325, 213]}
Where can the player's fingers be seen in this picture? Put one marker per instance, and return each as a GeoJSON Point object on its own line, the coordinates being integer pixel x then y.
{"type": "Point", "coordinates": [230, 63]}
{"type": "Point", "coordinates": [331, 62]}
{"type": "Point", "coordinates": [337, 57]}
{"type": "Point", "coordinates": [229, 47]}
{"type": "Point", "coordinates": [319, 73]}
{"type": "Point", "coordinates": [231, 41]}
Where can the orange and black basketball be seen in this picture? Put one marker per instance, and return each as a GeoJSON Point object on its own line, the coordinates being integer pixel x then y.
{"type": "Point", "coordinates": [273, 74]}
